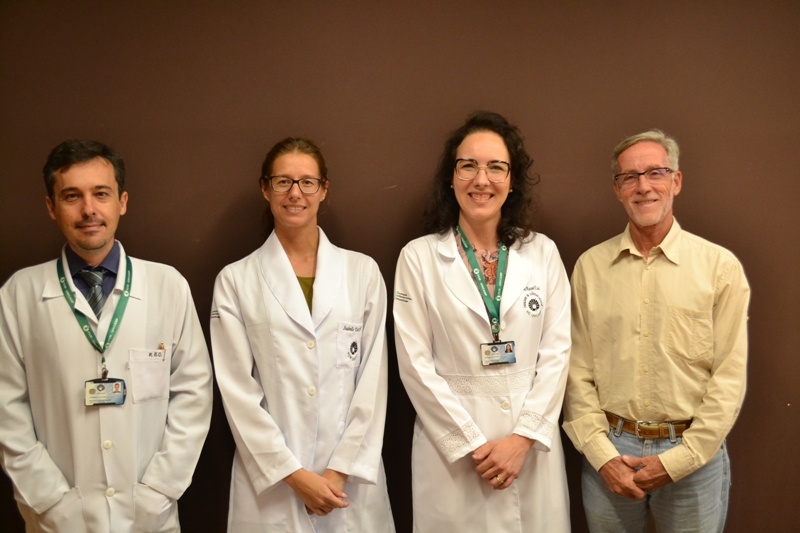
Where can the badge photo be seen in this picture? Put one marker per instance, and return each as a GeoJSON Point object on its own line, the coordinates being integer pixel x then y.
{"type": "Point", "coordinates": [105, 391]}
{"type": "Point", "coordinates": [498, 353]}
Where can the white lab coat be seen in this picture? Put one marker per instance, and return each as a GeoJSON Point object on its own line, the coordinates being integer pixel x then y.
{"type": "Point", "coordinates": [440, 321]}
{"type": "Point", "coordinates": [112, 468]}
{"type": "Point", "coordinates": [303, 389]}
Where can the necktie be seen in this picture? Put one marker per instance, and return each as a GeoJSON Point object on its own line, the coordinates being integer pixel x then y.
{"type": "Point", "coordinates": [95, 280]}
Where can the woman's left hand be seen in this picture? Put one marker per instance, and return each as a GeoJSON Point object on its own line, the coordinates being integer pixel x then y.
{"type": "Point", "coordinates": [499, 462]}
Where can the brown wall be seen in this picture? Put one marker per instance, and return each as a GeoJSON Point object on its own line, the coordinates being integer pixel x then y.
{"type": "Point", "coordinates": [193, 93]}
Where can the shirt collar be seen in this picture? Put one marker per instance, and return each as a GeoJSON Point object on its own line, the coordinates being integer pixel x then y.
{"type": "Point", "coordinates": [670, 246]}
{"type": "Point", "coordinates": [110, 263]}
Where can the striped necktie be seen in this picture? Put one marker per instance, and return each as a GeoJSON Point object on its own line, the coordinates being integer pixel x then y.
{"type": "Point", "coordinates": [96, 297]}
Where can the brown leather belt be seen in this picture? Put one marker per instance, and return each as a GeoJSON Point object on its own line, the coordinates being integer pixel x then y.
{"type": "Point", "coordinates": [649, 430]}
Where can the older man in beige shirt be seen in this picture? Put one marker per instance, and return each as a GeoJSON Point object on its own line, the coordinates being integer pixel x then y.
{"type": "Point", "coordinates": [659, 353]}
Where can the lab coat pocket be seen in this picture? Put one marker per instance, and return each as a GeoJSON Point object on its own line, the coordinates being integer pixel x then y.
{"type": "Point", "coordinates": [348, 345]}
{"type": "Point", "coordinates": [66, 515]}
{"type": "Point", "coordinates": [689, 334]}
{"type": "Point", "coordinates": [149, 374]}
{"type": "Point", "coordinates": [152, 510]}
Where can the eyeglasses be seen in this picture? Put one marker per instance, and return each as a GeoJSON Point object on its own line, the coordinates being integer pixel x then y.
{"type": "Point", "coordinates": [655, 176]}
{"type": "Point", "coordinates": [468, 169]}
{"type": "Point", "coordinates": [285, 184]}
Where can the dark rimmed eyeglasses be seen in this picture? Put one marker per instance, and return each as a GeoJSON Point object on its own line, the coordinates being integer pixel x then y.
{"type": "Point", "coordinates": [626, 180]}
{"type": "Point", "coordinates": [285, 183]}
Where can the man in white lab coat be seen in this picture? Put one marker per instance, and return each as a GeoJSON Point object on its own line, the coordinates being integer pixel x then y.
{"type": "Point", "coordinates": [105, 379]}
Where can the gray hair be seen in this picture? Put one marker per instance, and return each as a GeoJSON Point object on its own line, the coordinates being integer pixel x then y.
{"type": "Point", "coordinates": [656, 136]}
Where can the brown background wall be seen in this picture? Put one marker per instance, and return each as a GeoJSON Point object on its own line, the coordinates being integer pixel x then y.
{"type": "Point", "coordinates": [193, 93]}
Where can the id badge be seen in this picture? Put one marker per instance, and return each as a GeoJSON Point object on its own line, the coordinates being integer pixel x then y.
{"type": "Point", "coordinates": [498, 353]}
{"type": "Point", "coordinates": [108, 391]}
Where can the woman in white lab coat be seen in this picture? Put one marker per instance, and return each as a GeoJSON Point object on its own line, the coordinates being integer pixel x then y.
{"type": "Point", "coordinates": [482, 328]}
{"type": "Point", "coordinates": [299, 347]}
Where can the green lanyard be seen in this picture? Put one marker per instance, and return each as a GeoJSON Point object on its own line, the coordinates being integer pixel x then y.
{"type": "Point", "coordinates": [492, 304]}
{"type": "Point", "coordinates": [115, 320]}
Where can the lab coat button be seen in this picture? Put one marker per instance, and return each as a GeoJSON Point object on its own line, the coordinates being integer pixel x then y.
{"type": "Point", "coordinates": [505, 406]}
{"type": "Point", "coordinates": [310, 344]}
{"type": "Point", "coordinates": [110, 491]}
{"type": "Point", "coordinates": [312, 391]}
{"type": "Point", "coordinates": [107, 444]}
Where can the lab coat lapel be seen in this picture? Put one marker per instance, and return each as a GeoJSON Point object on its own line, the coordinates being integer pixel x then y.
{"type": "Point", "coordinates": [134, 314]}
{"type": "Point", "coordinates": [282, 282]}
{"type": "Point", "coordinates": [138, 278]}
{"type": "Point", "coordinates": [458, 278]}
{"type": "Point", "coordinates": [52, 289]}
{"type": "Point", "coordinates": [516, 276]}
{"type": "Point", "coordinates": [328, 279]}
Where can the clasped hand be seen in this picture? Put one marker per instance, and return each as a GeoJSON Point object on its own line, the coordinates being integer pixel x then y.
{"type": "Point", "coordinates": [320, 494]}
{"type": "Point", "coordinates": [499, 462]}
{"type": "Point", "coordinates": [633, 477]}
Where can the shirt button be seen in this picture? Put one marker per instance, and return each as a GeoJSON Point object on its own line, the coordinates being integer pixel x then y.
{"type": "Point", "coordinates": [110, 491]}
{"type": "Point", "coordinates": [645, 370]}
{"type": "Point", "coordinates": [647, 403]}
{"type": "Point", "coordinates": [312, 391]}
{"type": "Point", "coordinates": [647, 300]}
{"type": "Point", "coordinates": [107, 444]}
{"type": "Point", "coordinates": [310, 344]}
{"type": "Point", "coordinates": [502, 325]}
{"type": "Point", "coordinates": [505, 406]}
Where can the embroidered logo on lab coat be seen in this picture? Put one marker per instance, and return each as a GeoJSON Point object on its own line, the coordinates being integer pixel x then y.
{"type": "Point", "coordinates": [349, 344]}
{"type": "Point", "coordinates": [533, 303]}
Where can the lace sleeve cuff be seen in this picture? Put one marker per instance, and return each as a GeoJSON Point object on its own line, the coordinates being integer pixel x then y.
{"type": "Point", "coordinates": [458, 443]}
{"type": "Point", "coordinates": [536, 427]}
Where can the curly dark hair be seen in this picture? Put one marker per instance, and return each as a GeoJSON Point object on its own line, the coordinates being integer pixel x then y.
{"type": "Point", "coordinates": [516, 215]}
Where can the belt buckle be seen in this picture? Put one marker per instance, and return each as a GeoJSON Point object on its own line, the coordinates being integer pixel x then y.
{"type": "Point", "coordinates": [647, 425]}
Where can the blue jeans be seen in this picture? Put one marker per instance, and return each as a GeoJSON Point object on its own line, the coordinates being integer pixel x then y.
{"type": "Point", "coordinates": [696, 503]}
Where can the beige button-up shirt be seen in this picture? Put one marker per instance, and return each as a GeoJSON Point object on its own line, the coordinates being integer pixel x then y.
{"type": "Point", "coordinates": [662, 338]}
